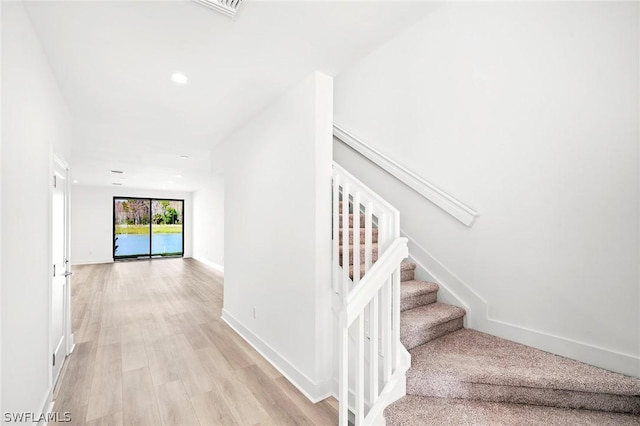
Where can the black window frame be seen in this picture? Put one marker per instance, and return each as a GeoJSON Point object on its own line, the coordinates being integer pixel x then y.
{"type": "Point", "coordinates": [150, 255]}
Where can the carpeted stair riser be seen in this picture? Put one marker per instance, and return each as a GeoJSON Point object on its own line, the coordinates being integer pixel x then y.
{"type": "Point", "coordinates": [417, 293]}
{"type": "Point", "coordinates": [426, 334]}
{"type": "Point", "coordinates": [407, 275]}
{"type": "Point", "coordinates": [374, 253]}
{"type": "Point", "coordinates": [420, 411]}
{"type": "Point", "coordinates": [443, 387]}
{"type": "Point", "coordinates": [425, 323]}
{"type": "Point", "coordinates": [374, 236]}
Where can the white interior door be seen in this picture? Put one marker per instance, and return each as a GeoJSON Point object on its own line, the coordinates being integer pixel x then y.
{"type": "Point", "coordinates": [61, 273]}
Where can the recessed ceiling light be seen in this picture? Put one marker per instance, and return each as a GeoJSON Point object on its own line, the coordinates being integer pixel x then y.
{"type": "Point", "coordinates": [75, 181]}
{"type": "Point", "coordinates": [184, 157]}
{"type": "Point", "coordinates": [179, 176]}
{"type": "Point", "coordinates": [120, 172]}
{"type": "Point", "coordinates": [179, 78]}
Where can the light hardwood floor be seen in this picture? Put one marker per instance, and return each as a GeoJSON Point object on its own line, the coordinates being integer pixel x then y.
{"type": "Point", "coordinates": [151, 349]}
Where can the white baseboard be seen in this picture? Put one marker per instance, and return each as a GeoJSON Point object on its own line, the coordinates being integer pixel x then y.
{"type": "Point", "coordinates": [315, 392]}
{"type": "Point", "coordinates": [210, 264]}
{"type": "Point", "coordinates": [90, 261]}
{"type": "Point", "coordinates": [455, 291]}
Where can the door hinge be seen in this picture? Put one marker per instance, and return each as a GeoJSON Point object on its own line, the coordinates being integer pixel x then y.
{"type": "Point", "coordinates": [55, 181]}
{"type": "Point", "coordinates": [54, 269]}
{"type": "Point", "coordinates": [54, 359]}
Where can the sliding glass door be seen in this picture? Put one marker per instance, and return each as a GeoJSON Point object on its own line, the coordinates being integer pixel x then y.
{"type": "Point", "coordinates": [145, 228]}
{"type": "Point", "coordinates": [131, 230]}
{"type": "Point", "coordinates": [166, 224]}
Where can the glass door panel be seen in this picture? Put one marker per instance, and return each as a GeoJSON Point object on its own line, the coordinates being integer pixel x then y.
{"type": "Point", "coordinates": [132, 231]}
{"type": "Point", "coordinates": [167, 238]}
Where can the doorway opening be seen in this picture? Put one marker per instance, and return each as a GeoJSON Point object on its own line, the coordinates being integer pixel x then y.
{"type": "Point", "coordinates": [146, 228]}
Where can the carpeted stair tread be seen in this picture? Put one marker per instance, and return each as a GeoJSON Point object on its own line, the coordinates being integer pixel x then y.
{"type": "Point", "coordinates": [417, 293]}
{"type": "Point", "coordinates": [415, 288]}
{"type": "Point", "coordinates": [407, 266]}
{"type": "Point", "coordinates": [474, 365]}
{"type": "Point", "coordinates": [474, 356]}
{"type": "Point", "coordinates": [425, 323]}
{"type": "Point", "coordinates": [418, 411]}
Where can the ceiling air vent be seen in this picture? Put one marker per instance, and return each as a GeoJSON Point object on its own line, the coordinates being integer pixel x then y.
{"type": "Point", "coordinates": [226, 7]}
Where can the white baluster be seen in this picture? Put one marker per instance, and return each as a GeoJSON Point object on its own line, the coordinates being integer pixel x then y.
{"type": "Point", "coordinates": [368, 232]}
{"type": "Point", "coordinates": [395, 337]}
{"type": "Point", "coordinates": [336, 233]}
{"type": "Point", "coordinates": [359, 414]}
{"type": "Point", "coordinates": [356, 238]}
{"type": "Point", "coordinates": [345, 240]}
{"type": "Point", "coordinates": [387, 333]}
{"type": "Point", "coordinates": [373, 350]}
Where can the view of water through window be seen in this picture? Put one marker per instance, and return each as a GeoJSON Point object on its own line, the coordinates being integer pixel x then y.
{"type": "Point", "coordinates": [144, 227]}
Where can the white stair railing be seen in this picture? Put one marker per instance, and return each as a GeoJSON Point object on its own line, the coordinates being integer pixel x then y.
{"type": "Point", "coordinates": [370, 298]}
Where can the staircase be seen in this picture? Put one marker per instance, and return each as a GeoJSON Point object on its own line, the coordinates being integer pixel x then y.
{"type": "Point", "coordinates": [460, 376]}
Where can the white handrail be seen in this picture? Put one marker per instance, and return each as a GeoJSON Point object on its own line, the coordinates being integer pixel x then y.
{"type": "Point", "coordinates": [437, 196]}
{"type": "Point", "coordinates": [368, 284]}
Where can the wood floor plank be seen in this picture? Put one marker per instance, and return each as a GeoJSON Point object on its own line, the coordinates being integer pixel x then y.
{"type": "Point", "coordinates": [106, 386]}
{"type": "Point", "coordinates": [162, 363]}
{"type": "Point", "coordinates": [175, 405]}
{"type": "Point", "coordinates": [221, 337]}
{"type": "Point", "coordinates": [114, 419]}
{"type": "Point", "coordinates": [239, 398]}
{"type": "Point", "coordinates": [109, 335]}
{"type": "Point", "coordinates": [212, 409]}
{"type": "Point", "coordinates": [134, 355]}
{"type": "Point", "coordinates": [213, 361]}
{"type": "Point", "coordinates": [321, 413]}
{"type": "Point", "coordinates": [193, 374]}
{"type": "Point", "coordinates": [280, 408]}
{"type": "Point", "coordinates": [140, 406]}
{"type": "Point", "coordinates": [196, 337]}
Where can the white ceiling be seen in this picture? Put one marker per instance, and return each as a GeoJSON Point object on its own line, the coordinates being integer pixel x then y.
{"type": "Point", "coordinates": [113, 62]}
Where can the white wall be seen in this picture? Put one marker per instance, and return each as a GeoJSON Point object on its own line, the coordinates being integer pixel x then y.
{"type": "Point", "coordinates": [92, 220]}
{"type": "Point", "coordinates": [528, 113]}
{"type": "Point", "coordinates": [277, 240]}
{"type": "Point", "coordinates": [208, 223]}
{"type": "Point", "coordinates": [35, 123]}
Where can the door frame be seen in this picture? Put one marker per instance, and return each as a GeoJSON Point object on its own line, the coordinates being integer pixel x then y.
{"type": "Point", "coordinates": [58, 163]}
